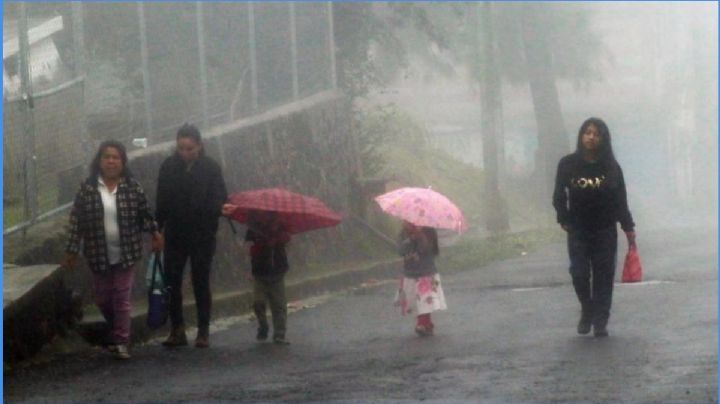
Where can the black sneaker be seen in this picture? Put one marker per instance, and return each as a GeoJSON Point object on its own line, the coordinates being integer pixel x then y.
{"type": "Point", "coordinates": [280, 340]}
{"type": "Point", "coordinates": [584, 325]}
{"type": "Point", "coordinates": [262, 334]}
{"type": "Point", "coordinates": [601, 331]}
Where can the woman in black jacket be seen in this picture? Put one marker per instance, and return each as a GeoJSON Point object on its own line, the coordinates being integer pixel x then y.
{"type": "Point", "coordinates": [590, 198]}
{"type": "Point", "coordinates": [190, 195]}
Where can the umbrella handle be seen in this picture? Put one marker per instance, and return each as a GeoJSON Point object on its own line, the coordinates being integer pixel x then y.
{"type": "Point", "coordinates": [232, 226]}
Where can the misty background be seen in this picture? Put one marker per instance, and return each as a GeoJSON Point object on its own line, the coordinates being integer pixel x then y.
{"type": "Point", "coordinates": [502, 87]}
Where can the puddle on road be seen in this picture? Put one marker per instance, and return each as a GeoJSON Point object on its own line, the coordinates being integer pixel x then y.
{"type": "Point", "coordinates": [526, 289]}
{"type": "Point", "coordinates": [645, 283]}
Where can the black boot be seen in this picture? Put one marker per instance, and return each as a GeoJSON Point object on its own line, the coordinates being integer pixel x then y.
{"type": "Point", "coordinates": [262, 333]}
{"type": "Point", "coordinates": [600, 328]}
{"type": "Point", "coordinates": [203, 337]}
{"type": "Point", "coordinates": [585, 323]}
{"type": "Point", "coordinates": [582, 290]}
{"type": "Point", "coordinates": [177, 337]}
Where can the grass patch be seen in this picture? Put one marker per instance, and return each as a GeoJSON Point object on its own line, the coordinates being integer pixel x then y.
{"type": "Point", "coordinates": [14, 212]}
{"type": "Point", "coordinates": [474, 253]}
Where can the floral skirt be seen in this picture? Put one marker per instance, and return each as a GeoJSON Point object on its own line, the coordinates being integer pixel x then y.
{"type": "Point", "coordinates": [420, 296]}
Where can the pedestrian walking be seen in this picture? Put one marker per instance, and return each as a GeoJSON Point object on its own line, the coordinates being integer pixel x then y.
{"type": "Point", "coordinates": [265, 240]}
{"type": "Point", "coordinates": [108, 216]}
{"type": "Point", "coordinates": [190, 195]}
{"type": "Point", "coordinates": [272, 215]}
{"type": "Point", "coordinates": [420, 291]}
{"type": "Point", "coordinates": [590, 198]}
{"type": "Point", "coordinates": [422, 210]}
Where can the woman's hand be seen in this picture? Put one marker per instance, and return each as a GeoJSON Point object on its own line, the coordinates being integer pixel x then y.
{"type": "Point", "coordinates": [228, 209]}
{"type": "Point", "coordinates": [158, 242]}
{"type": "Point", "coordinates": [630, 237]}
{"type": "Point", "coordinates": [247, 246]}
{"type": "Point", "coordinates": [69, 261]}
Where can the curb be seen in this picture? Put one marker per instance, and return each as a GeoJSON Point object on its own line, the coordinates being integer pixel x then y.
{"type": "Point", "coordinates": [93, 328]}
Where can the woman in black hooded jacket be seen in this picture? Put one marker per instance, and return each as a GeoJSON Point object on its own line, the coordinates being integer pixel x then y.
{"type": "Point", "coordinates": [590, 198]}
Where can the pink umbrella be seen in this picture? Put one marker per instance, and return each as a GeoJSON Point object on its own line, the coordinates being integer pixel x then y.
{"type": "Point", "coordinates": [422, 207]}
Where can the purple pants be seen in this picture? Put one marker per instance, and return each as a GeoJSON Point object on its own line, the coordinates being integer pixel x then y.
{"type": "Point", "coordinates": [112, 296]}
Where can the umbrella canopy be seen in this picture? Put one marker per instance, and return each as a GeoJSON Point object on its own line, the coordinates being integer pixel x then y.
{"type": "Point", "coordinates": [423, 207]}
{"type": "Point", "coordinates": [297, 213]}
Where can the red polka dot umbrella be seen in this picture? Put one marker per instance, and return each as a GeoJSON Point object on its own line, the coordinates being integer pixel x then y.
{"type": "Point", "coordinates": [423, 207]}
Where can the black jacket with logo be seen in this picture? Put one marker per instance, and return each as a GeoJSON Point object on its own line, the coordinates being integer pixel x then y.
{"type": "Point", "coordinates": [591, 196]}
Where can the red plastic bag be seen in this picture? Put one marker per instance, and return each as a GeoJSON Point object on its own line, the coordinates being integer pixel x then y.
{"type": "Point", "coordinates": [632, 271]}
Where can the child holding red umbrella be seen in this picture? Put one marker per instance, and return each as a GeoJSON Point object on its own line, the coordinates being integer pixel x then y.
{"type": "Point", "coordinates": [266, 239]}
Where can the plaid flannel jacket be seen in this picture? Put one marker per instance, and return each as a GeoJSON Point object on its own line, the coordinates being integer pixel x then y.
{"type": "Point", "coordinates": [87, 223]}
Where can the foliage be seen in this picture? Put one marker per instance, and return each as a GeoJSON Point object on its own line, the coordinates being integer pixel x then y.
{"type": "Point", "coordinates": [473, 252]}
{"type": "Point", "coordinates": [444, 36]}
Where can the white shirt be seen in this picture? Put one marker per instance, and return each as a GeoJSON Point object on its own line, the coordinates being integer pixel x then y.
{"type": "Point", "coordinates": [112, 230]}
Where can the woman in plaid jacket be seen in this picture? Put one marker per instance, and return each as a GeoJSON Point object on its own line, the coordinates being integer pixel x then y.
{"type": "Point", "coordinates": [108, 216]}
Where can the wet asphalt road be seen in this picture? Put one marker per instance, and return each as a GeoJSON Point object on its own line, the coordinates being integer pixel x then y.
{"type": "Point", "coordinates": [508, 336]}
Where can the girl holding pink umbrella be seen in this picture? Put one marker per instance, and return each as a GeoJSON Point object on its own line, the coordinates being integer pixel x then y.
{"type": "Point", "coordinates": [422, 210]}
{"type": "Point", "coordinates": [420, 290]}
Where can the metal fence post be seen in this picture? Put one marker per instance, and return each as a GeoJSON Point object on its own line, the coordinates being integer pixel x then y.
{"type": "Point", "coordinates": [253, 61]}
{"type": "Point", "coordinates": [78, 30]}
{"type": "Point", "coordinates": [145, 71]}
{"type": "Point", "coordinates": [331, 46]}
{"type": "Point", "coordinates": [293, 50]}
{"type": "Point", "coordinates": [203, 65]}
{"type": "Point", "coordinates": [30, 160]}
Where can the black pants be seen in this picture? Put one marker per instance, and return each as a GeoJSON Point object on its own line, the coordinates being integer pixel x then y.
{"type": "Point", "coordinates": [200, 253]}
{"type": "Point", "coordinates": [592, 267]}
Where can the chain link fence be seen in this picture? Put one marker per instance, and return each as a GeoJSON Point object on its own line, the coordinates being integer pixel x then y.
{"type": "Point", "coordinates": [75, 74]}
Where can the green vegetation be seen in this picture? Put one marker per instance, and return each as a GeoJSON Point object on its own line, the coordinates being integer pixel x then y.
{"type": "Point", "coordinates": [395, 149]}
{"type": "Point", "coordinates": [472, 253]}
{"type": "Point", "coordinates": [14, 212]}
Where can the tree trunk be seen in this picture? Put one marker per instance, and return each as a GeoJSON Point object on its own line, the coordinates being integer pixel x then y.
{"type": "Point", "coordinates": [552, 138]}
{"type": "Point", "coordinates": [496, 213]}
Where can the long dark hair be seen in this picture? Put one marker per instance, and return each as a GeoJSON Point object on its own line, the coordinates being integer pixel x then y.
{"type": "Point", "coordinates": [432, 236]}
{"type": "Point", "coordinates": [95, 164]}
{"type": "Point", "coordinates": [605, 155]}
{"type": "Point", "coordinates": [191, 131]}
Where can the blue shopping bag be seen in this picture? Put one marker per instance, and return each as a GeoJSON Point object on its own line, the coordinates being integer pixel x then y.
{"type": "Point", "coordinates": [158, 295]}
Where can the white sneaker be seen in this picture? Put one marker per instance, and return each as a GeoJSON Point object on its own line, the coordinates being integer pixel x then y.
{"type": "Point", "coordinates": [122, 352]}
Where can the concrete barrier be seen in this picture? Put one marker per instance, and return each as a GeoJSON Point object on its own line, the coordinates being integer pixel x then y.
{"type": "Point", "coordinates": [38, 307]}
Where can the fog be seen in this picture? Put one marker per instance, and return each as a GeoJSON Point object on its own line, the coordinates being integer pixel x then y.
{"type": "Point", "coordinates": [521, 75]}
{"type": "Point", "coordinates": [652, 77]}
